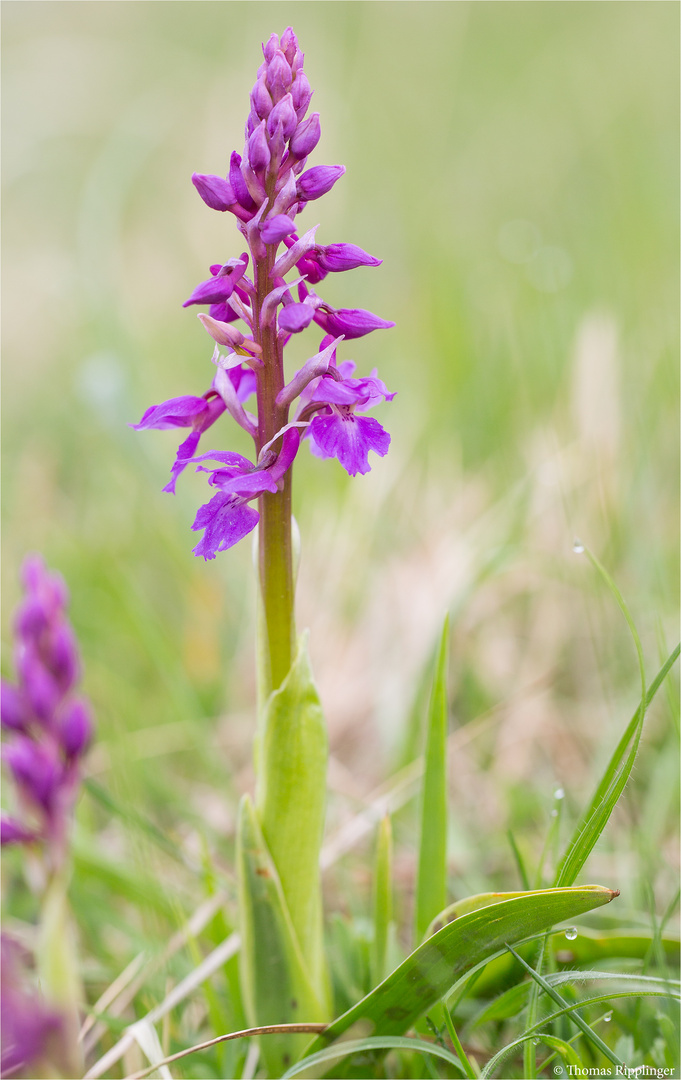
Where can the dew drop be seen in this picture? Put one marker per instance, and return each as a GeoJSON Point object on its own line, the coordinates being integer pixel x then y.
{"type": "Point", "coordinates": [535, 1042]}
{"type": "Point", "coordinates": [578, 547]}
{"type": "Point", "coordinates": [559, 793]}
{"type": "Point", "coordinates": [608, 1017]}
{"type": "Point", "coordinates": [554, 813]}
{"type": "Point", "coordinates": [571, 933]}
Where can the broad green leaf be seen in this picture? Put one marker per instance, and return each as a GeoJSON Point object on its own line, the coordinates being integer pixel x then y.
{"type": "Point", "coordinates": [275, 981]}
{"type": "Point", "coordinates": [291, 801]}
{"type": "Point", "coordinates": [431, 881]}
{"type": "Point", "coordinates": [612, 784]}
{"type": "Point", "coordinates": [465, 906]}
{"type": "Point", "coordinates": [358, 1046]}
{"type": "Point", "coordinates": [383, 906]}
{"type": "Point", "coordinates": [427, 975]}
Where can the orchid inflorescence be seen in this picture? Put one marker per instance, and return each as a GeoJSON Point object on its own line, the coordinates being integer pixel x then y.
{"type": "Point", "coordinates": [49, 727]}
{"type": "Point", "coordinates": [266, 189]}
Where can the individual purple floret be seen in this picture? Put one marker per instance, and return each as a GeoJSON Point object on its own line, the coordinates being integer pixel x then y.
{"type": "Point", "coordinates": [49, 728]}
{"type": "Point", "coordinates": [266, 187]}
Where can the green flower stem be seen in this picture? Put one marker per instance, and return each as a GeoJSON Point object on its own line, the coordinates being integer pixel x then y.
{"type": "Point", "coordinates": [274, 537]}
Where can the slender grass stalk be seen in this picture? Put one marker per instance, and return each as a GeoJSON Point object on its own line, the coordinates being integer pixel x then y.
{"type": "Point", "coordinates": [456, 1043]}
{"type": "Point", "coordinates": [575, 1017]}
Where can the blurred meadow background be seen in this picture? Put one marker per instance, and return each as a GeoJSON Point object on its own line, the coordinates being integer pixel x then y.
{"type": "Point", "coordinates": [516, 167]}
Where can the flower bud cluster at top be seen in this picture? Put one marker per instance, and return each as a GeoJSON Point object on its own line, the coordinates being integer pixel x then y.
{"type": "Point", "coordinates": [265, 189]}
{"type": "Point", "coordinates": [49, 728]}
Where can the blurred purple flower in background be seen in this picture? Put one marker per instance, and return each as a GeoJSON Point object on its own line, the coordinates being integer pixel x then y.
{"type": "Point", "coordinates": [32, 1032]}
{"type": "Point", "coordinates": [265, 188]}
{"type": "Point", "coordinates": [49, 728]}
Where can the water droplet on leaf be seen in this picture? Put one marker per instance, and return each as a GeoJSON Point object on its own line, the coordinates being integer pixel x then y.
{"type": "Point", "coordinates": [578, 547]}
{"type": "Point", "coordinates": [559, 793]}
{"type": "Point", "coordinates": [554, 813]}
{"type": "Point", "coordinates": [571, 933]}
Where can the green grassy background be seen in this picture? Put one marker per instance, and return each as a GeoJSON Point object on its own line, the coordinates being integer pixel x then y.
{"type": "Point", "coordinates": [515, 165]}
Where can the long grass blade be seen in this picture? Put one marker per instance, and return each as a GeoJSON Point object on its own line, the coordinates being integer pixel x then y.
{"type": "Point", "coordinates": [358, 1046]}
{"type": "Point", "coordinates": [566, 1051]}
{"type": "Point", "coordinates": [576, 1018]}
{"type": "Point", "coordinates": [431, 882]}
{"type": "Point", "coordinates": [612, 784]}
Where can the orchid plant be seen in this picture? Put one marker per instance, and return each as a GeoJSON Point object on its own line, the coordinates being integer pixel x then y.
{"type": "Point", "coordinates": [256, 302]}
{"type": "Point", "coordinates": [266, 189]}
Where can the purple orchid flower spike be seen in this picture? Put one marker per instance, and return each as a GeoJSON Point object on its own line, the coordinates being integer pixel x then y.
{"type": "Point", "coordinates": [266, 186]}
{"type": "Point", "coordinates": [49, 730]}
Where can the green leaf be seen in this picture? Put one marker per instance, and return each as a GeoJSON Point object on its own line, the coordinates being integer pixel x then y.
{"type": "Point", "coordinates": [519, 861]}
{"type": "Point", "coordinates": [275, 981]}
{"type": "Point", "coordinates": [383, 905]}
{"type": "Point", "coordinates": [431, 882]}
{"type": "Point", "coordinates": [358, 1046]}
{"type": "Point", "coordinates": [430, 972]}
{"type": "Point", "coordinates": [291, 802]}
{"type": "Point", "coordinates": [465, 906]}
{"type": "Point", "coordinates": [612, 784]}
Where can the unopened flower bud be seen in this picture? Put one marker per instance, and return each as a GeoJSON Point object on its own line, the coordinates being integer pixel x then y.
{"type": "Point", "coordinates": [276, 228]}
{"type": "Point", "coordinates": [306, 137]}
{"type": "Point", "coordinates": [317, 181]}
{"type": "Point", "coordinates": [351, 322]}
{"type": "Point", "coordinates": [224, 333]}
{"type": "Point", "coordinates": [258, 149]}
{"type": "Point", "coordinates": [301, 94]}
{"type": "Point", "coordinates": [289, 44]}
{"type": "Point", "coordinates": [261, 100]}
{"type": "Point", "coordinates": [15, 711]}
{"type": "Point", "coordinates": [61, 656]}
{"type": "Point", "coordinates": [214, 190]}
{"type": "Point", "coordinates": [270, 47]}
{"type": "Point", "coordinates": [42, 690]}
{"type": "Point", "coordinates": [283, 113]}
{"type": "Point", "coordinates": [278, 76]}
{"type": "Point", "coordinates": [295, 317]}
{"type": "Point", "coordinates": [338, 257]}
{"type": "Point", "coordinates": [32, 616]}
{"type": "Point", "coordinates": [75, 729]}
{"type": "Point", "coordinates": [239, 184]}
{"type": "Point", "coordinates": [36, 770]}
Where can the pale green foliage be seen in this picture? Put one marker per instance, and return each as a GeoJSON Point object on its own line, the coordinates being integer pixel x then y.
{"type": "Point", "coordinates": [291, 801]}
